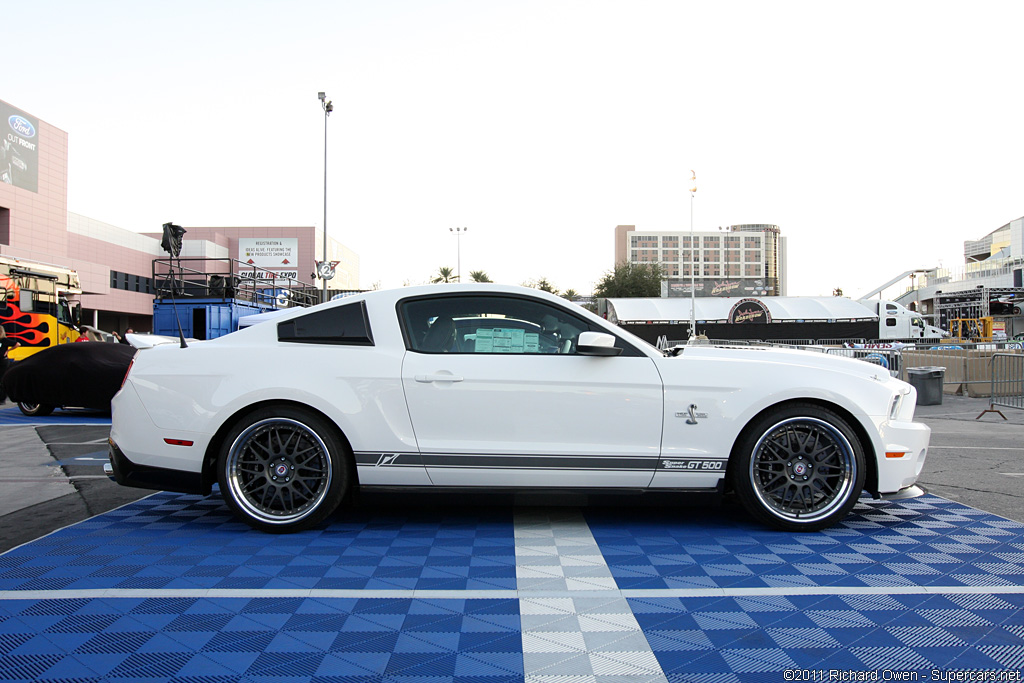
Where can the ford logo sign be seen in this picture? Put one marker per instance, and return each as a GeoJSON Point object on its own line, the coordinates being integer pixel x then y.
{"type": "Point", "coordinates": [22, 126]}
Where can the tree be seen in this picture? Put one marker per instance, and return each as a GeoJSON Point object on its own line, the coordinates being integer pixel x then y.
{"type": "Point", "coordinates": [571, 294]}
{"type": "Point", "coordinates": [445, 274]}
{"type": "Point", "coordinates": [542, 284]}
{"type": "Point", "coordinates": [630, 280]}
{"type": "Point", "coordinates": [545, 286]}
{"type": "Point", "coordinates": [479, 276]}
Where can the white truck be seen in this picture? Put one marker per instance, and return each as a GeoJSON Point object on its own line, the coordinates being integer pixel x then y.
{"type": "Point", "coordinates": [896, 321]}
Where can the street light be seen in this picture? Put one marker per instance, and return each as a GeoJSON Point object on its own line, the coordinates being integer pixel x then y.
{"type": "Point", "coordinates": [458, 250]}
{"type": "Point", "coordinates": [326, 271]}
{"type": "Point", "coordinates": [693, 282]}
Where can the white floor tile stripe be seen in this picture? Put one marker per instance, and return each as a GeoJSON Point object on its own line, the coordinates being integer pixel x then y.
{"type": "Point", "coordinates": [577, 626]}
{"type": "Point", "coordinates": [491, 594]}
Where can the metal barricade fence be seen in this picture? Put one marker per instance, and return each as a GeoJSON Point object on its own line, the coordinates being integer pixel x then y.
{"type": "Point", "coordinates": [1007, 382]}
{"type": "Point", "coordinates": [968, 367]}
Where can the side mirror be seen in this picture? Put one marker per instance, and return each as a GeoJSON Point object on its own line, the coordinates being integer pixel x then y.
{"type": "Point", "coordinates": [76, 314]}
{"type": "Point", "coordinates": [596, 344]}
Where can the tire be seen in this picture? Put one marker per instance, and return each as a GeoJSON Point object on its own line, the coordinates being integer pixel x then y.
{"type": "Point", "coordinates": [35, 409]}
{"type": "Point", "coordinates": [800, 468]}
{"type": "Point", "coordinates": [310, 475]}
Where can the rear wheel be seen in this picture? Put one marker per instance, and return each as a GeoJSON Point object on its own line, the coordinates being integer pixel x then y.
{"type": "Point", "coordinates": [799, 469]}
{"type": "Point", "coordinates": [35, 409]}
{"type": "Point", "coordinates": [283, 469]}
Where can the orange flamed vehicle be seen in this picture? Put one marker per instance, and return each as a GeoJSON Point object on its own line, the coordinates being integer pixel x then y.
{"type": "Point", "coordinates": [36, 309]}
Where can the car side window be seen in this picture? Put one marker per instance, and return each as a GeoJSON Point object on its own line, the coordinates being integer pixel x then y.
{"type": "Point", "coordinates": [489, 325]}
{"type": "Point", "coordinates": [346, 325]}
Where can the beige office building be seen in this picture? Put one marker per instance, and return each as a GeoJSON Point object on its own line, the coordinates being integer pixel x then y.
{"type": "Point", "coordinates": [740, 260]}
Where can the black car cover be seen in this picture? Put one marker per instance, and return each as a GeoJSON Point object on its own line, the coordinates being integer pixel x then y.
{"type": "Point", "coordinates": [83, 375]}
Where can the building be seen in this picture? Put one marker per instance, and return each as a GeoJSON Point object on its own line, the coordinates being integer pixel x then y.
{"type": "Point", "coordinates": [739, 260]}
{"type": "Point", "coordinates": [989, 283]}
{"type": "Point", "coordinates": [116, 265]}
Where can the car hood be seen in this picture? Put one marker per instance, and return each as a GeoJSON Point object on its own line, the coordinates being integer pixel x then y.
{"type": "Point", "coordinates": [795, 357]}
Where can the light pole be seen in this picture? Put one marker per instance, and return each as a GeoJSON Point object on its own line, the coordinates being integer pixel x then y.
{"type": "Point", "coordinates": [325, 269]}
{"type": "Point", "coordinates": [458, 250]}
{"type": "Point", "coordinates": [693, 282]}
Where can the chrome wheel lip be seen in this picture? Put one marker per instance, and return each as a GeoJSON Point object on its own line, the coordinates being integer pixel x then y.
{"type": "Point", "coordinates": [234, 477]}
{"type": "Point", "coordinates": [844, 480]}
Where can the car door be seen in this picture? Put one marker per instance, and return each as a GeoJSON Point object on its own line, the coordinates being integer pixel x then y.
{"type": "Point", "coordinates": [499, 395]}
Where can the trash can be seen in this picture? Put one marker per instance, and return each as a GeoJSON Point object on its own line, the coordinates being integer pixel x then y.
{"type": "Point", "coordinates": [928, 382]}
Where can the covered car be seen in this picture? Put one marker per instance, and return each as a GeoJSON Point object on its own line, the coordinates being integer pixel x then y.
{"type": "Point", "coordinates": [491, 387]}
{"type": "Point", "coordinates": [70, 375]}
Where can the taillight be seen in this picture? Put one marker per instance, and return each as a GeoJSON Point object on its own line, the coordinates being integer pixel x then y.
{"type": "Point", "coordinates": [127, 372]}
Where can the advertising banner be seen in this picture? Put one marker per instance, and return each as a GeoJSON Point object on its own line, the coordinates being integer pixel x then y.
{"type": "Point", "coordinates": [729, 287]}
{"type": "Point", "coordinates": [277, 257]}
{"type": "Point", "coordinates": [19, 148]}
{"type": "Point", "coordinates": [749, 311]}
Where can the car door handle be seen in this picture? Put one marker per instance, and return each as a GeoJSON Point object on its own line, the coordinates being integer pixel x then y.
{"type": "Point", "coordinates": [438, 378]}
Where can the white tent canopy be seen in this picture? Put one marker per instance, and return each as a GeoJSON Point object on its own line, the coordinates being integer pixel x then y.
{"type": "Point", "coordinates": [713, 309]}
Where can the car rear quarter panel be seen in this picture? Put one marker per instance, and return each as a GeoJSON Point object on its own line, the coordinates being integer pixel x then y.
{"type": "Point", "coordinates": [199, 388]}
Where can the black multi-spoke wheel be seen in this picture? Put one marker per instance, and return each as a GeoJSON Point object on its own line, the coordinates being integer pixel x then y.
{"type": "Point", "coordinates": [35, 409]}
{"type": "Point", "coordinates": [282, 469]}
{"type": "Point", "coordinates": [801, 468]}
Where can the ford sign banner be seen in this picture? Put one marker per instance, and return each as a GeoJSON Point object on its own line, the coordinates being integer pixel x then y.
{"type": "Point", "coordinates": [19, 148]}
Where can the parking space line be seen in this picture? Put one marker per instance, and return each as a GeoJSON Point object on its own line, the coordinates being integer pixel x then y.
{"type": "Point", "coordinates": [977, 448]}
{"type": "Point", "coordinates": [46, 480]}
{"type": "Point", "coordinates": [94, 442]}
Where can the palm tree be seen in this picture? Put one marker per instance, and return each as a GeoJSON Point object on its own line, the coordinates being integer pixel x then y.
{"type": "Point", "coordinates": [445, 274]}
{"type": "Point", "coordinates": [543, 285]}
{"type": "Point", "coordinates": [571, 294]}
{"type": "Point", "coordinates": [479, 276]}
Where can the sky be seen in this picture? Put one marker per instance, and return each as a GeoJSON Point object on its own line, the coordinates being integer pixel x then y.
{"type": "Point", "coordinates": [878, 135]}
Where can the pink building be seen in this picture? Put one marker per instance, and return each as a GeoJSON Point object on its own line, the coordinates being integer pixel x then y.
{"type": "Point", "coordinates": [114, 264]}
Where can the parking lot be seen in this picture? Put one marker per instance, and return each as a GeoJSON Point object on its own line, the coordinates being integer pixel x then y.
{"type": "Point", "coordinates": [422, 588]}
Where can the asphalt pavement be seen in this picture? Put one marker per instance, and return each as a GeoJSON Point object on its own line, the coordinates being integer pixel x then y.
{"type": "Point", "coordinates": [976, 457]}
{"type": "Point", "coordinates": [51, 474]}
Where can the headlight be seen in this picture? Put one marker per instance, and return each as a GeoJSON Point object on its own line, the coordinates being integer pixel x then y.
{"type": "Point", "coordinates": [896, 405]}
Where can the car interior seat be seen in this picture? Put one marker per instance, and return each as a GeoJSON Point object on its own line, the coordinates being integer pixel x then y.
{"type": "Point", "coordinates": [440, 336]}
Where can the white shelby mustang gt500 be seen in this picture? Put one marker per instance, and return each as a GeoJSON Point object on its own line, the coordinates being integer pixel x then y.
{"type": "Point", "coordinates": [495, 387]}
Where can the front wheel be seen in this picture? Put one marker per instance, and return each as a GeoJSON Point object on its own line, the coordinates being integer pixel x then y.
{"type": "Point", "coordinates": [283, 469]}
{"type": "Point", "coordinates": [801, 468]}
{"type": "Point", "coordinates": [35, 409]}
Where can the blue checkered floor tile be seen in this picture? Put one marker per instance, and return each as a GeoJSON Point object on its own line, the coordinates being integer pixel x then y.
{"type": "Point", "coordinates": [170, 541]}
{"type": "Point", "coordinates": [604, 596]}
{"type": "Point", "coordinates": [745, 638]}
{"type": "Point", "coordinates": [922, 542]}
{"type": "Point", "coordinates": [263, 639]}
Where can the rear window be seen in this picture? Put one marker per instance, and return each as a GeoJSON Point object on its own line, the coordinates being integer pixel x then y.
{"type": "Point", "coordinates": [347, 325]}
